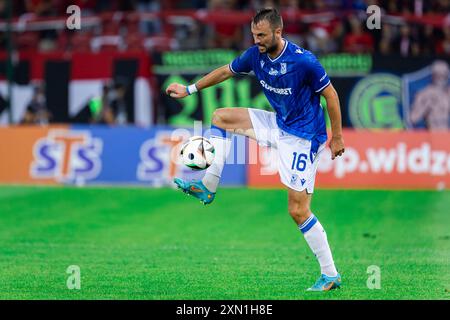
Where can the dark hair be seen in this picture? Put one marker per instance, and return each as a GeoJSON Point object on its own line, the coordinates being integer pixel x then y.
{"type": "Point", "coordinates": [271, 15]}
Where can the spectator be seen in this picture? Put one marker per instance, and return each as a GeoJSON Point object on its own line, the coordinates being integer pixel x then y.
{"type": "Point", "coordinates": [387, 38]}
{"type": "Point", "coordinates": [37, 112]}
{"type": "Point", "coordinates": [443, 46]}
{"type": "Point", "coordinates": [153, 26]}
{"type": "Point", "coordinates": [407, 44]}
{"type": "Point", "coordinates": [427, 40]}
{"type": "Point", "coordinates": [87, 7]}
{"type": "Point", "coordinates": [357, 40]}
{"type": "Point", "coordinates": [225, 34]}
{"type": "Point", "coordinates": [41, 8]}
{"type": "Point", "coordinates": [322, 34]}
{"type": "Point", "coordinates": [97, 104]}
{"type": "Point", "coordinates": [114, 108]}
{"type": "Point", "coordinates": [292, 29]}
{"type": "Point", "coordinates": [3, 10]}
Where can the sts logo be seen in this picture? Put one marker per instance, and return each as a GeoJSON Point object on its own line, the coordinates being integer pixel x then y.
{"type": "Point", "coordinates": [67, 156]}
{"type": "Point", "coordinates": [160, 161]}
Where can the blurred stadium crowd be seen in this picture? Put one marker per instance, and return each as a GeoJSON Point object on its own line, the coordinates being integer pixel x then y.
{"type": "Point", "coordinates": [101, 87]}
{"type": "Point", "coordinates": [410, 27]}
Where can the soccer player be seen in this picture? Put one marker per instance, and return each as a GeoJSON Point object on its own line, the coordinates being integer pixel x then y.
{"type": "Point", "coordinates": [292, 80]}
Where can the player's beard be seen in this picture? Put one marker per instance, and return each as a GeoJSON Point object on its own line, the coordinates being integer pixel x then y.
{"type": "Point", "coordinates": [272, 47]}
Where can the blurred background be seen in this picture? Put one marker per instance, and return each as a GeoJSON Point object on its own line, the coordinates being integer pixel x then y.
{"type": "Point", "coordinates": [86, 104]}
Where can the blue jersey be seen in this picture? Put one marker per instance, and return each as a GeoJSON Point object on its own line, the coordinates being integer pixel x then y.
{"type": "Point", "coordinates": [292, 83]}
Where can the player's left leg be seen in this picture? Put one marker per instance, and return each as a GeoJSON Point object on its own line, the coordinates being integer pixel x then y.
{"type": "Point", "coordinates": [316, 237]}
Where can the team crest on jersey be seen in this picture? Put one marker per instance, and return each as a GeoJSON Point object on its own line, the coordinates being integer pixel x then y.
{"type": "Point", "coordinates": [273, 72]}
{"type": "Point", "coordinates": [283, 68]}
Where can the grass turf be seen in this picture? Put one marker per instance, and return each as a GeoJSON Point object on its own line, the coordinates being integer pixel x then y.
{"type": "Point", "coordinates": [135, 243]}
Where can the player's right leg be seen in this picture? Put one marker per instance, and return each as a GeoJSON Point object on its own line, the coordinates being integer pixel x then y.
{"type": "Point", "coordinates": [235, 120]}
{"type": "Point", "coordinates": [297, 168]}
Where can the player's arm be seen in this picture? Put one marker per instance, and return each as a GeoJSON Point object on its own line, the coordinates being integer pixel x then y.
{"type": "Point", "coordinates": [176, 90]}
{"type": "Point", "coordinates": [334, 111]}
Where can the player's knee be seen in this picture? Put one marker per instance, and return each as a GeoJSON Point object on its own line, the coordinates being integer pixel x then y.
{"type": "Point", "coordinates": [299, 212]}
{"type": "Point", "coordinates": [221, 117]}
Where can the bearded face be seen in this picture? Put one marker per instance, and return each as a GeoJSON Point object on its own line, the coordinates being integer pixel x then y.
{"type": "Point", "coordinates": [265, 37]}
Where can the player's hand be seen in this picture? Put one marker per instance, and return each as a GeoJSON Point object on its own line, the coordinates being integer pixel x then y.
{"type": "Point", "coordinates": [176, 90]}
{"type": "Point", "coordinates": [337, 147]}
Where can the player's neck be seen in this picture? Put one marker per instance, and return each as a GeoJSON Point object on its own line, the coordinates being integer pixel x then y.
{"type": "Point", "coordinates": [277, 52]}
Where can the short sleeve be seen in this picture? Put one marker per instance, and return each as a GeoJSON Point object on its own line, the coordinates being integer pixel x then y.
{"type": "Point", "coordinates": [243, 63]}
{"type": "Point", "coordinates": [318, 77]}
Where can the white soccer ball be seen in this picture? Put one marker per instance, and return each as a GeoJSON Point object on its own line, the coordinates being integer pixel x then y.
{"type": "Point", "coordinates": [197, 153]}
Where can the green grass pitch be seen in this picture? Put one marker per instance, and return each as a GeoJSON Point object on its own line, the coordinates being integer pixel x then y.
{"type": "Point", "coordinates": [138, 243]}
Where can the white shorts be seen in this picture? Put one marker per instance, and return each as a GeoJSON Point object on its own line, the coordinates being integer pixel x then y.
{"type": "Point", "coordinates": [298, 157]}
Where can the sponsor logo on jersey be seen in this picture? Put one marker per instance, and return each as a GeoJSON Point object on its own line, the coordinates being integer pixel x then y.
{"type": "Point", "coordinates": [283, 68]}
{"type": "Point", "coordinates": [282, 91]}
{"type": "Point", "coordinates": [294, 179]}
{"type": "Point", "coordinates": [262, 63]}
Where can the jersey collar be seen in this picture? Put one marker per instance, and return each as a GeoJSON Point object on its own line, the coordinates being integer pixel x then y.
{"type": "Point", "coordinates": [284, 49]}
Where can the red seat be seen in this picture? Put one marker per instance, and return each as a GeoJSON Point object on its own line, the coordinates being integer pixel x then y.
{"type": "Point", "coordinates": [135, 42]}
{"type": "Point", "coordinates": [109, 48]}
{"type": "Point", "coordinates": [107, 43]}
{"type": "Point", "coordinates": [110, 23]}
{"type": "Point", "coordinates": [132, 23]}
{"type": "Point", "coordinates": [62, 41]}
{"type": "Point", "coordinates": [81, 42]}
{"type": "Point", "coordinates": [160, 43]}
{"type": "Point", "coordinates": [27, 41]}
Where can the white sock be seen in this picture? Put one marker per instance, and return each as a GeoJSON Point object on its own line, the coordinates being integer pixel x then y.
{"type": "Point", "coordinates": [222, 145]}
{"type": "Point", "coordinates": [316, 238]}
